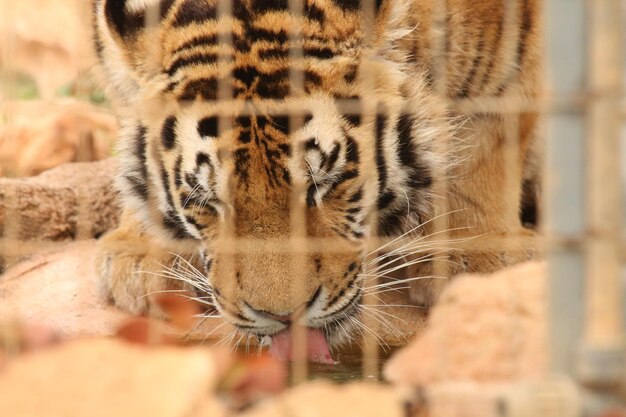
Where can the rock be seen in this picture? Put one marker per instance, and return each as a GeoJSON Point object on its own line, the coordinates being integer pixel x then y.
{"type": "Point", "coordinates": [484, 329]}
{"type": "Point", "coordinates": [106, 377]}
{"type": "Point", "coordinates": [326, 399]}
{"type": "Point", "coordinates": [36, 136]}
{"type": "Point", "coordinates": [60, 291]}
{"type": "Point", "coordinates": [74, 201]}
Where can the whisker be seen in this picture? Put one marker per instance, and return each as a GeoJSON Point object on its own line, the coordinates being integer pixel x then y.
{"type": "Point", "coordinates": [414, 229]}
{"type": "Point", "coordinates": [376, 337]}
{"type": "Point", "coordinates": [384, 322]}
{"type": "Point", "coordinates": [386, 313]}
{"type": "Point", "coordinates": [213, 331]}
{"type": "Point", "coordinates": [404, 280]}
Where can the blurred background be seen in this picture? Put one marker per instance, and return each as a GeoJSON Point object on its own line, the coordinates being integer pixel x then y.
{"type": "Point", "coordinates": [51, 109]}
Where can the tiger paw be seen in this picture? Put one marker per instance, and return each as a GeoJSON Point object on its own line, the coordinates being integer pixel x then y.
{"type": "Point", "coordinates": [133, 275]}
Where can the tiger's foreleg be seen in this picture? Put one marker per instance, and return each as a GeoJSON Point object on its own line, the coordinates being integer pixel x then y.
{"type": "Point", "coordinates": [484, 231]}
{"type": "Point", "coordinates": [134, 269]}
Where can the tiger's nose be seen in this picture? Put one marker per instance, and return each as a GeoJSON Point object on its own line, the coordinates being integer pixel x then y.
{"type": "Point", "coordinates": [288, 318]}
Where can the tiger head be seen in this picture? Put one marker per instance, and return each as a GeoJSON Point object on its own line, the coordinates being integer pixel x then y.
{"type": "Point", "coordinates": [280, 187]}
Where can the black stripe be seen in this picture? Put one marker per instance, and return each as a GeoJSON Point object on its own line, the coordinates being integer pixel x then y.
{"type": "Point", "coordinates": [351, 303]}
{"type": "Point", "coordinates": [206, 88]}
{"type": "Point", "coordinates": [406, 149]}
{"type": "Point", "coordinates": [250, 76]}
{"type": "Point", "coordinates": [242, 164]}
{"type": "Point", "coordinates": [319, 52]}
{"type": "Point", "coordinates": [311, 193]}
{"type": "Point", "coordinates": [348, 5]}
{"type": "Point", "coordinates": [524, 31]}
{"type": "Point", "coordinates": [354, 119]}
{"type": "Point", "coordinates": [168, 132]}
{"type": "Point", "coordinates": [352, 150]}
{"type": "Point", "coordinates": [469, 80]}
{"type": "Point", "coordinates": [139, 180]}
{"type": "Point", "coordinates": [527, 24]}
{"type": "Point", "coordinates": [341, 178]}
{"type": "Point", "coordinates": [264, 6]}
{"type": "Point", "coordinates": [170, 220]}
{"type": "Point", "coordinates": [254, 34]}
{"type": "Point", "coordinates": [386, 199]}
{"type": "Point", "coordinates": [193, 222]}
{"type": "Point", "coordinates": [178, 181]}
{"type": "Point", "coordinates": [493, 55]}
{"type": "Point", "coordinates": [128, 24]}
{"type": "Point", "coordinates": [201, 58]}
{"type": "Point", "coordinates": [274, 52]}
{"type": "Point", "coordinates": [391, 223]}
{"type": "Point", "coordinates": [357, 196]}
{"type": "Point", "coordinates": [312, 79]}
{"type": "Point", "coordinates": [285, 149]}
{"type": "Point", "coordinates": [138, 185]}
{"type": "Point", "coordinates": [192, 11]}
{"type": "Point", "coordinates": [281, 123]}
{"type": "Point", "coordinates": [191, 180]}
{"type": "Point", "coordinates": [311, 144]}
{"type": "Point", "coordinates": [381, 122]}
{"type": "Point", "coordinates": [165, 182]}
{"type": "Point", "coordinates": [419, 173]}
{"type": "Point", "coordinates": [282, 52]}
{"type": "Point", "coordinates": [333, 157]}
{"type": "Point", "coordinates": [175, 226]}
{"type": "Point", "coordinates": [278, 89]}
{"type": "Point", "coordinates": [203, 159]}
{"type": "Point", "coordinates": [203, 40]}
{"type": "Point", "coordinates": [208, 127]}
{"type": "Point", "coordinates": [125, 24]}
{"type": "Point", "coordinates": [350, 76]}
{"type": "Point", "coordinates": [312, 12]}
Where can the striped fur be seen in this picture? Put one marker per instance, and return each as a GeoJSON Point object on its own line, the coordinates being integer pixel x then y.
{"type": "Point", "coordinates": [187, 172]}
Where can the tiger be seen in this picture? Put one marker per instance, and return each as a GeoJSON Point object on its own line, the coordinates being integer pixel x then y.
{"type": "Point", "coordinates": [362, 116]}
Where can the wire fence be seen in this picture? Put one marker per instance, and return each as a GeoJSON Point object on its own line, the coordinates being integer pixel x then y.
{"type": "Point", "coordinates": [581, 212]}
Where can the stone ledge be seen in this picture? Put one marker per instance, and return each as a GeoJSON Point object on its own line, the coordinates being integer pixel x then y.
{"type": "Point", "coordinates": [72, 202]}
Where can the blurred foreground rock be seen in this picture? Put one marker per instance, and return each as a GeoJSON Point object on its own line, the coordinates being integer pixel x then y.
{"type": "Point", "coordinates": [327, 399]}
{"type": "Point", "coordinates": [108, 377]}
{"type": "Point", "coordinates": [487, 329]}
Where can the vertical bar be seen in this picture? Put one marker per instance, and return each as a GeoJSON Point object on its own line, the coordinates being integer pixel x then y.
{"type": "Point", "coordinates": [603, 326]}
{"type": "Point", "coordinates": [440, 222]}
{"type": "Point", "coordinates": [297, 208]}
{"type": "Point", "coordinates": [602, 353]}
{"type": "Point", "coordinates": [441, 207]}
{"type": "Point", "coordinates": [370, 112]}
{"type": "Point", "coordinates": [227, 238]}
{"type": "Point", "coordinates": [564, 179]}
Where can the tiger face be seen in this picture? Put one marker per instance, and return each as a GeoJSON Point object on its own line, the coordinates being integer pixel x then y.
{"type": "Point", "coordinates": [279, 196]}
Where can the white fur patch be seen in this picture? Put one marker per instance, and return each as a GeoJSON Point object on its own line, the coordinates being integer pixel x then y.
{"type": "Point", "coordinates": [135, 6]}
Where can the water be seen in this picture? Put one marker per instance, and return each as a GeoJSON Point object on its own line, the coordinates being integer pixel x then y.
{"type": "Point", "coordinates": [348, 369]}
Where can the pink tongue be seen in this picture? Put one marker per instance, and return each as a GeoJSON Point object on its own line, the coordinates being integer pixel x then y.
{"type": "Point", "coordinates": [316, 347]}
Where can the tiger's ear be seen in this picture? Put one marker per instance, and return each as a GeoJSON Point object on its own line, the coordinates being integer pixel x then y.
{"type": "Point", "coordinates": [127, 18]}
